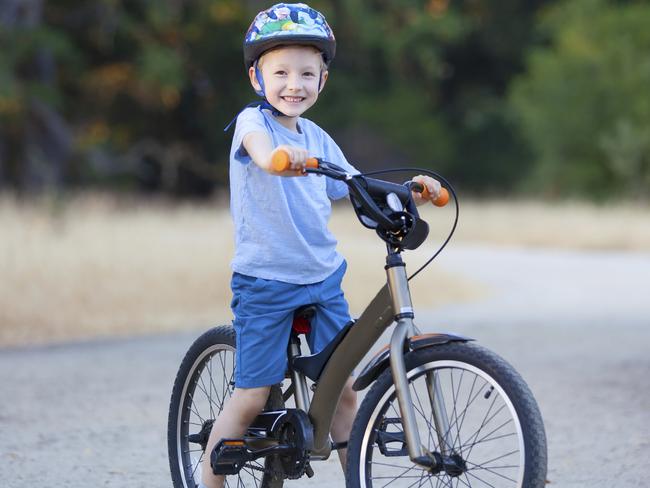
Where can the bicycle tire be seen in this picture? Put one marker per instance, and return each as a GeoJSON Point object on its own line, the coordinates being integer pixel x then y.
{"type": "Point", "coordinates": [464, 372]}
{"type": "Point", "coordinates": [192, 400]}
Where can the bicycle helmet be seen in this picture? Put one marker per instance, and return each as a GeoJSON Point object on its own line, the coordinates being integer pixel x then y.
{"type": "Point", "coordinates": [288, 24]}
{"type": "Point", "coordinates": [284, 24]}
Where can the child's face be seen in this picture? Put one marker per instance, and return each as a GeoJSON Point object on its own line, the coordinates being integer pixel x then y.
{"type": "Point", "coordinates": [291, 77]}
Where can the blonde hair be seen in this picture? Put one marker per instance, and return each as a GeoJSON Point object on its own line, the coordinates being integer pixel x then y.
{"type": "Point", "coordinates": [323, 64]}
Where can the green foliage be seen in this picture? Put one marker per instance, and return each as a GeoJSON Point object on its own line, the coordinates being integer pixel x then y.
{"type": "Point", "coordinates": [425, 139]}
{"type": "Point", "coordinates": [17, 86]}
{"type": "Point", "coordinates": [584, 104]}
{"type": "Point", "coordinates": [145, 87]}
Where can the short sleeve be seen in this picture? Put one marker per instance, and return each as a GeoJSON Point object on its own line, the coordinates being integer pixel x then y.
{"type": "Point", "coordinates": [336, 189]}
{"type": "Point", "coordinates": [250, 120]}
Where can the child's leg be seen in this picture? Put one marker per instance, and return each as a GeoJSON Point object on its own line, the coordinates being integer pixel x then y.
{"type": "Point", "coordinates": [343, 419]}
{"type": "Point", "coordinates": [238, 413]}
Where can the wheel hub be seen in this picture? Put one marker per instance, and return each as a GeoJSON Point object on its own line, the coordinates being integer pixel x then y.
{"type": "Point", "coordinates": [454, 465]}
{"type": "Point", "coordinates": [202, 436]}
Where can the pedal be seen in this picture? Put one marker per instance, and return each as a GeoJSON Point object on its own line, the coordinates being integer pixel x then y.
{"type": "Point", "coordinates": [386, 437]}
{"type": "Point", "coordinates": [228, 456]}
{"type": "Point", "coordinates": [309, 471]}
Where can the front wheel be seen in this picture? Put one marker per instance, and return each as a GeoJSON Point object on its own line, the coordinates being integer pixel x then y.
{"type": "Point", "coordinates": [493, 435]}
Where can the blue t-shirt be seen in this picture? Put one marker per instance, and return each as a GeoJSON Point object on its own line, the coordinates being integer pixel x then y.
{"type": "Point", "coordinates": [281, 222]}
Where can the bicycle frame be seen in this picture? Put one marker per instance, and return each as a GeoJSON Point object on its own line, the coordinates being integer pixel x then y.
{"type": "Point", "coordinates": [391, 304]}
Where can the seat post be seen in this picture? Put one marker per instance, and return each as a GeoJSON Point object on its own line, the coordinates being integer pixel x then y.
{"type": "Point", "coordinates": [301, 392]}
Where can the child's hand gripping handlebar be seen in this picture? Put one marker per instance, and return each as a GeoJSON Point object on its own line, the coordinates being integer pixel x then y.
{"type": "Point", "coordinates": [282, 162]}
{"type": "Point", "coordinates": [440, 201]}
{"type": "Point", "coordinates": [370, 199]}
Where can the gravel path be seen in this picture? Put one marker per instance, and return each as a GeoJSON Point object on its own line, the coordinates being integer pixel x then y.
{"type": "Point", "coordinates": [576, 325]}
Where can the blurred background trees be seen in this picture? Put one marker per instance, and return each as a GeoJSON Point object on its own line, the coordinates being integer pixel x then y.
{"type": "Point", "coordinates": [584, 101]}
{"type": "Point", "coordinates": [544, 98]}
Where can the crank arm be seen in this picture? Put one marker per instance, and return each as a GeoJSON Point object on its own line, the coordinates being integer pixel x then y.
{"type": "Point", "coordinates": [267, 451]}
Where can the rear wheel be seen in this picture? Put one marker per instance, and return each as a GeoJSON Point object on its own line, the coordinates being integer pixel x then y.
{"type": "Point", "coordinates": [204, 382]}
{"type": "Point", "coordinates": [494, 435]}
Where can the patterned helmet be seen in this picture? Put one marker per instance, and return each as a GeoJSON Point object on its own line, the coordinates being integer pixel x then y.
{"type": "Point", "coordinates": [288, 23]}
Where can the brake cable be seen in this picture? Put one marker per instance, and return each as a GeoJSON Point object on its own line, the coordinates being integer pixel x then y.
{"type": "Point", "coordinates": [449, 188]}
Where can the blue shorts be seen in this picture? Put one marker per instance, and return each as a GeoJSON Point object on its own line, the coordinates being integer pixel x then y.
{"type": "Point", "coordinates": [263, 312]}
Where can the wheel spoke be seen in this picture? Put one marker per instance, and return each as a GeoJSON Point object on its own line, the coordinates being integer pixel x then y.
{"type": "Point", "coordinates": [478, 431]}
{"type": "Point", "coordinates": [465, 409]}
{"type": "Point", "coordinates": [466, 483]}
{"type": "Point", "coordinates": [431, 427]}
{"type": "Point", "coordinates": [197, 465]}
{"type": "Point", "coordinates": [469, 473]}
{"type": "Point", "coordinates": [456, 395]}
{"type": "Point", "coordinates": [483, 424]}
{"type": "Point", "coordinates": [483, 430]}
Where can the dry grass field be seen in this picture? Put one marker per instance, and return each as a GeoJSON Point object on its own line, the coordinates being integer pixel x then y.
{"type": "Point", "coordinates": [96, 266]}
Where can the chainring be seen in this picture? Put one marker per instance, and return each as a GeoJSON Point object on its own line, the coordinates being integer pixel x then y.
{"type": "Point", "coordinates": [295, 430]}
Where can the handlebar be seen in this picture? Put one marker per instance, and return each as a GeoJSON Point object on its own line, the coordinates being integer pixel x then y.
{"type": "Point", "coordinates": [400, 228]}
{"type": "Point", "coordinates": [281, 162]}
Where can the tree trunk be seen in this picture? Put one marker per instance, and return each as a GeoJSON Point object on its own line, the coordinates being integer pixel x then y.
{"type": "Point", "coordinates": [36, 152]}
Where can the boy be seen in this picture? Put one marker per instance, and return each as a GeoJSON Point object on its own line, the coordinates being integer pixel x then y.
{"type": "Point", "coordinates": [284, 255]}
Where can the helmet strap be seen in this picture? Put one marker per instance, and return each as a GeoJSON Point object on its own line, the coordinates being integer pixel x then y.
{"type": "Point", "coordinates": [320, 80]}
{"type": "Point", "coordinates": [260, 80]}
{"type": "Point", "coordinates": [262, 93]}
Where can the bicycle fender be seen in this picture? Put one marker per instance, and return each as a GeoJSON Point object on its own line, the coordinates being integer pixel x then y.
{"type": "Point", "coordinates": [381, 360]}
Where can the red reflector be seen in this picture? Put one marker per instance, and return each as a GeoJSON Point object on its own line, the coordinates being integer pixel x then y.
{"type": "Point", "coordinates": [301, 325]}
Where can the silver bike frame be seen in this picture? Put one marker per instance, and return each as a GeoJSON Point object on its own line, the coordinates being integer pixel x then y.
{"type": "Point", "coordinates": [391, 304]}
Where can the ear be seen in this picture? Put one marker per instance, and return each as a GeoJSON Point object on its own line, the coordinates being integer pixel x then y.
{"type": "Point", "coordinates": [253, 79]}
{"type": "Point", "coordinates": [323, 79]}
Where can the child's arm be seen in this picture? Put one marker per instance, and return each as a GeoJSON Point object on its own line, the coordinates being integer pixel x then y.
{"type": "Point", "coordinates": [432, 185]}
{"type": "Point", "coordinates": [261, 150]}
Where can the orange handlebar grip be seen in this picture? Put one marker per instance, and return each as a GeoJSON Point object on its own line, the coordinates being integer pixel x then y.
{"type": "Point", "coordinates": [281, 162]}
{"type": "Point", "coordinates": [442, 199]}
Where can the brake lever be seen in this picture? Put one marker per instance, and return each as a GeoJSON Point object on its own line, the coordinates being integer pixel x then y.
{"type": "Point", "coordinates": [330, 170]}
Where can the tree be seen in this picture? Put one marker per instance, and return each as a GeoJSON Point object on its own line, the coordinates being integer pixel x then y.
{"type": "Point", "coordinates": [136, 92]}
{"type": "Point", "coordinates": [584, 103]}
{"type": "Point", "coordinates": [35, 140]}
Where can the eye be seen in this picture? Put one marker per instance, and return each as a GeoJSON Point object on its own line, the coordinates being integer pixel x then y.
{"type": "Point", "coordinates": [309, 74]}
{"type": "Point", "coordinates": [280, 72]}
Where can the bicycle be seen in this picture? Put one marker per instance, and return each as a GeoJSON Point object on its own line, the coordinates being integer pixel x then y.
{"type": "Point", "coordinates": [441, 409]}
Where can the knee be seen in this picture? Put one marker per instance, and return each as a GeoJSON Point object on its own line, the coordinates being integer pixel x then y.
{"type": "Point", "coordinates": [348, 400]}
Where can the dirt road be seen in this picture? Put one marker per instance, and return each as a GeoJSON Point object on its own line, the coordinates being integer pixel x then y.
{"type": "Point", "coordinates": [576, 325]}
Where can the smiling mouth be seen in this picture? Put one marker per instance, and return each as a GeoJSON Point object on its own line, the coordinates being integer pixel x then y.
{"type": "Point", "coordinates": [293, 99]}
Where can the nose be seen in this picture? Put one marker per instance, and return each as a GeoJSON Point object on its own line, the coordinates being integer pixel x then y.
{"type": "Point", "coordinates": [294, 82]}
